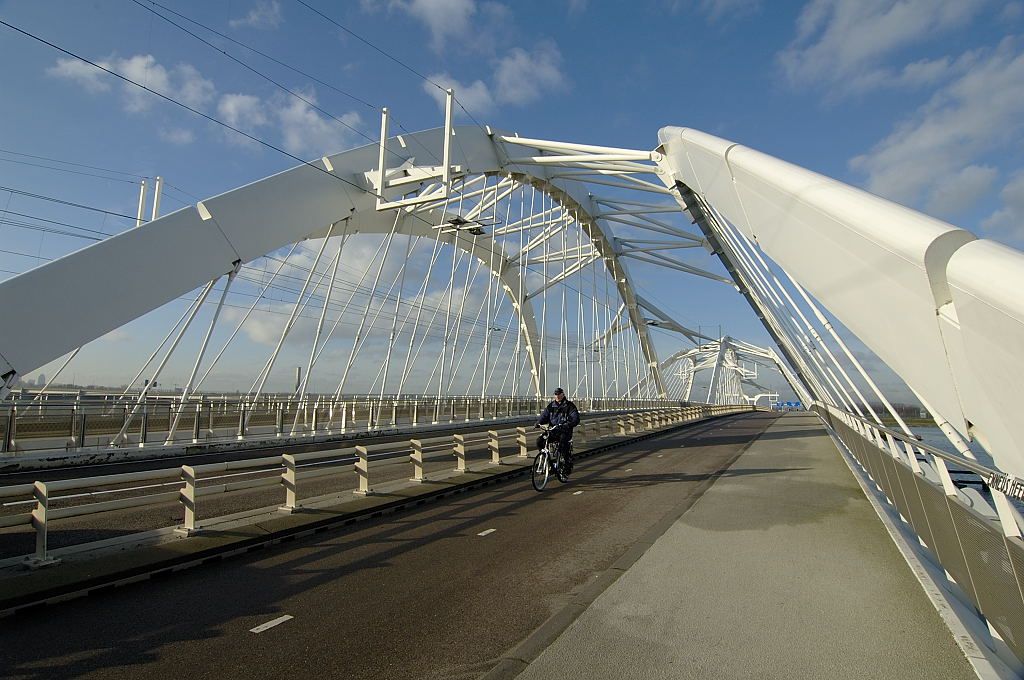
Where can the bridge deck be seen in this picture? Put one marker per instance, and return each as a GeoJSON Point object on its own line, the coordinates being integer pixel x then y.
{"type": "Point", "coordinates": [782, 570]}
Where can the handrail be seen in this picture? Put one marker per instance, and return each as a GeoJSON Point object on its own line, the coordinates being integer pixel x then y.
{"type": "Point", "coordinates": [1001, 481]}
{"type": "Point", "coordinates": [90, 422]}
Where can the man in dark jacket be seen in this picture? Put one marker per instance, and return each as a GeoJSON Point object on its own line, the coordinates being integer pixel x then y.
{"type": "Point", "coordinates": [562, 415]}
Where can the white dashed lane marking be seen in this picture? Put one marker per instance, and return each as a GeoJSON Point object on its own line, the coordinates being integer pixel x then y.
{"type": "Point", "coordinates": [270, 624]}
{"type": "Point", "coordinates": [629, 469]}
{"type": "Point", "coordinates": [576, 493]}
{"type": "Point", "coordinates": [486, 532]}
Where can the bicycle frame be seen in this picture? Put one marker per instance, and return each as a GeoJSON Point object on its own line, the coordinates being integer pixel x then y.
{"type": "Point", "coordinates": [548, 460]}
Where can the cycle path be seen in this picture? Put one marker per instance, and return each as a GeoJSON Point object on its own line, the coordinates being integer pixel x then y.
{"type": "Point", "coordinates": [782, 575]}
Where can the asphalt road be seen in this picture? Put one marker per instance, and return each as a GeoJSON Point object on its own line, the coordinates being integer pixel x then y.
{"type": "Point", "coordinates": [441, 592]}
{"type": "Point", "coordinates": [19, 541]}
{"type": "Point", "coordinates": [384, 467]}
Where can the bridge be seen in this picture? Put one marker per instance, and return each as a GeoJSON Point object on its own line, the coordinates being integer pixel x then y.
{"type": "Point", "coordinates": [428, 292]}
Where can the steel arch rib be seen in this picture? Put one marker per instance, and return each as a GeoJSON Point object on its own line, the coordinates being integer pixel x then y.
{"type": "Point", "coordinates": [585, 208]}
{"type": "Point", "coordinates": [110, 283]}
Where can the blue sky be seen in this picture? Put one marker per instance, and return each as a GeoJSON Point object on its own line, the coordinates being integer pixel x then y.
{"type": "Point", "coordinates": [921, 101]}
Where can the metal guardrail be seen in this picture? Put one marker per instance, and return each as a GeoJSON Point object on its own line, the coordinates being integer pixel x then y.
{"type": "Point", "coordinates": [983, 556]}
{"type": "Point", "coordinates": [91, 423]}
{"type": "Point", "coordinates": [189, 483]}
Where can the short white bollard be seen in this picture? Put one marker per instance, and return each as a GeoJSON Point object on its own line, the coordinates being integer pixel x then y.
{"type": "Point", "coordinates": [494, 447]}
{"type": "Point", "coordinates": [416, 457]}
{"type": "Point", "coordinates": [459, 449]}
{"type": "Point", "coordinates": [363, 470]}
{"type": "Point", "coordinates": [290, 483]}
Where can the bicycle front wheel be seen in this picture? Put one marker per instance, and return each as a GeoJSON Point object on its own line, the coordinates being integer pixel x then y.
{"type": "Point", "coordinates": [541, 470]}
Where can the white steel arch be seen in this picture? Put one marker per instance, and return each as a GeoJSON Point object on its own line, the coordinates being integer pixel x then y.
{"type": "Point", "coordinates": [939, 306]}
{"type": "Point", "coordinates": [179, 252]}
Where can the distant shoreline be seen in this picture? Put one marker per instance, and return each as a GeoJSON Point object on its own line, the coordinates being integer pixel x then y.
{"type": "Point", "coordinates": [912, 422]}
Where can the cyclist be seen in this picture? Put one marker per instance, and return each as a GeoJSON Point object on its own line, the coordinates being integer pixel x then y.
{"type": "Point", "coordinates": [562, 415]}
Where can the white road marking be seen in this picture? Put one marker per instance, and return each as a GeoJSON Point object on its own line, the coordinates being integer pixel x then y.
{"type": "Point", "coordinates": [629, 469]}
{"type": "Point", "coordinates": [660, 455]}
{"type": "Point", "coordinates": [488, 531]}
{"type": "Point", "coordinates": [270, 624]}
{"type": "Point", "coordinates": [576, 493]}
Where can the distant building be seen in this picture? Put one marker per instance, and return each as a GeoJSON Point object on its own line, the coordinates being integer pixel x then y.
{"type": "Point", "coordinates": [41, 380]}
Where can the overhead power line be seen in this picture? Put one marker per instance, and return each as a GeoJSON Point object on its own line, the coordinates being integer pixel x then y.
{"type": "Point", "coordinates": [212, 119]}
{"type": "Point", "coordinates": [369, 44]}
{"type": "Point", "coordinates": [271, 80]}
{"type": "Point", "coordinates": [42, 197]}
{"type": "Point", "coordinates": [20, 254]}
{"type": "Point", "coordinates": [390, 56]}
{"type": "Point", "coordinates": [99, 235]}
{"type": "Point", "coordinates": [77, 165]}
{"type": "Point", "coordinates": [179, 104]}
{"type": "Point", "coordinates": [166, 184]}
{"type": "Point", "coordinates": [199, 113]}
{"type": "Point", "coordinates": [253, 70]}
{"type": "Point", "coordinates": [269, 57]}
{"type": "Point", "coordinates": [73, 172]}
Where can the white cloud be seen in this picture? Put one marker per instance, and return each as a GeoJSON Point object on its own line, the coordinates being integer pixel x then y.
{"type": "Point", "coordinates": [446, 19]}
{"type": "Point", "coordinates": [305, 132]}
{"type": "Point", "coordinates": [265, 14]}
{"type": "Point", "coordinates": [466, 25]}
{"type": "Point", "coordinates": [522, 77]}
{"type": "Point", "coordinates": [577, 6]}
{"type": "Point", "coordinates": [182, 82]}
{"type": "Point", "coordinates": [1008, 221]}
{"type": "Point", "coordinates": [243, 111]}
{"type": "Point", "coordinates": [191, 87]}
{"type": "Point", "coordinates": [972, 115]}
{"type": "Point", "coordinates": [89, 77]}
{"type": "Point", "coordinates": [842, 43]}
{"type": "Point", "coordinates": [476, 96]}
{"type": "Point", "coordinates": [177, 136]}
{"type": "Point", "coordinates": [143, 69]}
{"type": "Point", "coordinates": [926, 71]}
{"type": "Point", "coordinates": [360, 260]}
{"type": "Point", "coordinates": [265, 324]}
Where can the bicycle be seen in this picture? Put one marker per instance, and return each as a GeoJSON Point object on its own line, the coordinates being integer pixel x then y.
{"type": "Point", "coordinates": [550, 459]}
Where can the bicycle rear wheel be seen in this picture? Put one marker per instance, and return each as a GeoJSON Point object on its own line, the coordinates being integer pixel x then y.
{"type": "Point", "coordinates": [541, 470]}
{"type": "Point", "coordinates": [564, 468]}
